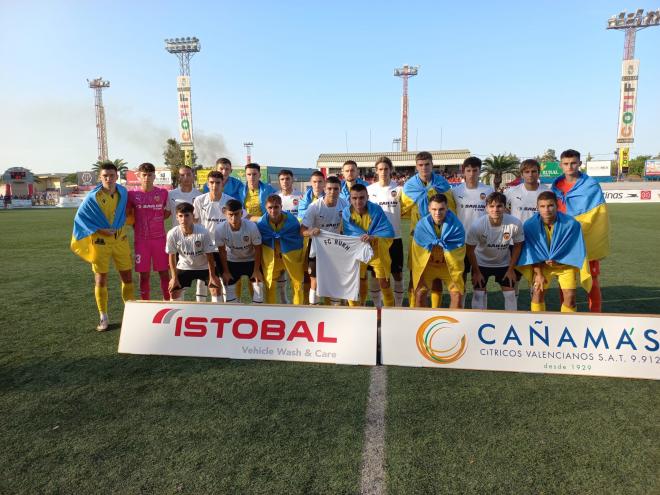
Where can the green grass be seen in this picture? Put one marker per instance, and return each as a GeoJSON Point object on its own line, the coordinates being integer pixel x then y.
{"type": "Point", "coordinates": [76, 417]}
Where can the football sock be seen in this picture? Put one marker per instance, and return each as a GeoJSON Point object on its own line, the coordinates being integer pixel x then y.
{"type": "Point", "coordinates": [281, 288]}
{"type": "Point", "coordinates": [257, 292]}
{"type": "Point", "coordinates": [567, 309]}
{"type": "Point", "coordinates": [411, 297]}
{"type": "Point", "coordinates": [164, 286]}
{"type": "Point", "coordinates": [538, 306]}
{"type": "Point", "coordinates": [230, 294]}
{"type": "Point", "coordinates": [510, 300]}
{"type": "Point", "coordinates": [101, 296]}
{"type": "Point", "coordinates": [479, 299]}
{"type": "Point", "coordinates": [436, 298]}
{"type": "Point", "coordinates": [595, 301]}
{"type": "Point", "coordinates": [313, 297]}
{"type": "Point", "coordinates": [374, 292]}
{"type": "Point", "coordinates": [335, 302]}
{"type": "Point", "coordinates": [127, 293]}
{"type": "Point", "coordinates": [388, 297]}
{"type": "Point", "coordinates": [363, 291]}
{"type": "Point", "coordinates": [145, 288]}
{"type": "Point", "coordinates": [182, 296]}
{"type": "Point", "coordinates": [202, 291]}
{"type": "Point", "coordinates": [463, 300]}
{"type": "Point", "coordinates": [216, 299]}
{"type": "Point", "coordinates": [298, 293]}
{"type": "Point", "coordinates": [398, 293]}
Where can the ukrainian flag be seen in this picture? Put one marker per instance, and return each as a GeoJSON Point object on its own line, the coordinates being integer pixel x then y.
{"type": "Point", "coordinates": [379, 226]}
{"type": "Point", "coordinates": [566, 247]}
{"type": "Point", "coordinates": [89, 218]}
{"type": "Point", "coordinates": [586, 203]}
{"type": "Point", "coordinates": [345, 191]}
{"type": "Point", "coordinates": [451, 240]}
{"type": "Point", "coordinates": [305, 201]}
{"type": "Point", "coordinates": [291, 247]}
{"type": "Point", "coordinates": [265, 190]}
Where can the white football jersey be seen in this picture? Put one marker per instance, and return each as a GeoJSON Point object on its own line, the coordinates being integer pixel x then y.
{"type": "Point", "coordinates": [209, 213]}
{"type": "Point", "coordinates": [338, 259]}
{"type": "Point", "coordinates": [176, 196]}
{"type": "Point", "coordinates": [290, 202]}
{"type": "Point", "coordinates": [470, 203]}
{"type": "Point", "coordinates": [389, 199]}
{"type": "Point", "coordinates": [492, 243]}
{"type": "Point", "coordinates": [324, 217]}
{"type": "Point", "coordinates": [240, 243]}
{"type": "Point", "coordinates": [521, 202]}
{"type": "Point", "coordinates": [192, 249]}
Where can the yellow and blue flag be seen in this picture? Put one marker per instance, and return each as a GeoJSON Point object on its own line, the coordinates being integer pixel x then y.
{"type": "Point", "coordinates": [305, 201]}
{"type": "Point", "coordinates": [265, 190]}
{"type": "Point", "coordinates": [291, 247]}
{"type": "Point", "coordinates": [379, 225]}
{"type": "Point", "coordinates": [346, 192]}
{"type": "Point", "coordinates": [415, 189]}
{"type": "Point", "coordinates": [586, 203]}
{"type": "Point", "coordinates": [89, 219]}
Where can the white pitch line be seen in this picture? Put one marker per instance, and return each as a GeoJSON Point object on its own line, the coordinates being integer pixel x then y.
{"type": "Point", "coordinates": [372, 479]}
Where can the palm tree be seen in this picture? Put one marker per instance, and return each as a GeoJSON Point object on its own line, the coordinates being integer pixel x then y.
{"type": "Point", "coordinates": [122, 166]}
{"type": "Point", "coordinates": [495, 166]}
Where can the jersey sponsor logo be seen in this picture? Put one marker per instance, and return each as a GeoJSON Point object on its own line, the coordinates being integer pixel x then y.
{"type": "Point", "coordinates": [99, 241]}
{"type": "Point", "coordinates": [436, 342]}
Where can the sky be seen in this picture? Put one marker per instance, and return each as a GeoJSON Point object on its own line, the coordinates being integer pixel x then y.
{"type": "Point", "coordinates": [303, 78]}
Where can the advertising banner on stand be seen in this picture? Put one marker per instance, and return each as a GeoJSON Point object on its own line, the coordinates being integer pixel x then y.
{"type": "Point", "coordinates": [263, 331]}
{"type": "Point", "coordinates": [185, 113]}
{"type": "Point", "coordinates": [575, 344]}
{"type": "Point", "coordinates": [628, 101]}
{"type": "Point", "coordinates": [632, 195]}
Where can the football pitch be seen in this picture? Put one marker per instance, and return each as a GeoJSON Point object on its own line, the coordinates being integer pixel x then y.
{"type": "Point", "coordinates": [77, 417]}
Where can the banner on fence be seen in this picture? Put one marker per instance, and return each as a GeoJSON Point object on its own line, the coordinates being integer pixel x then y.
{"type": "Point", "coordinates": [284, 333]}
{"type": "Point", "coordinates": [632, 195]}
{"type": "Point", "coordinates": [577, 344]}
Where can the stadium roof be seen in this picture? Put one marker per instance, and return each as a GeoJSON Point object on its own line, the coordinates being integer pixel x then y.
{"type": "Point", "coordinates": [399, 159]}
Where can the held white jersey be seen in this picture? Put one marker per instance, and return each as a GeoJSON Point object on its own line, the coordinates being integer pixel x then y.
{"type": "Point", "coordinates": [209, 213]}
{"type": "Point", "coordinates": [324, 217]}
{"type": "Point", "coordinates": [238, 243]}
{"type": "Point", "coordinates": [521, 202]}
{"type": "Point", "coordinates": [290, 202]}
{"type": "Point", "coordinates": [470, 203]}
{"type": "Point", "coordinates": [389, 199]}
{"type": "Point", "coordinates": [338, 259]}
{"type": "Point", "coordinates": [492, 243]}
{"type": "Point", "coordinates": [192, 249]}
{"type": "Point", "coordinates": [176, 196]}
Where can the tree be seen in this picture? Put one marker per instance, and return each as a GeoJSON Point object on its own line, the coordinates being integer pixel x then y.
{"type": "Point", "coordinates": [636, 165]}
{"type": "Point", "coordinates": [122, 166]}
{"type": "Point", "coordinates": [548, 156]}
{"type": "Point", "coordinates": [175, 158]}
{"type": "Point", "coordinates": [495, 166]}
{"type": "Point", "coordinates": [70, 179]}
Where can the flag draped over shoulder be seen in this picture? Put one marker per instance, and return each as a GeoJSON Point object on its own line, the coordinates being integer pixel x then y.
{"type": "Point", "coordinates": [379, 226]}
{"type": "Point", "coordinates": [234, 188]}
{"type": "Point", "coordinates": [415, 189]}
{"type": "Point", "coordinates": [89, 219]}
{"type": "Point", "coordinates": [566, 246]}
{"type": "Point", "coordinates": [305, 201]}
{"type": "Point", "coordinates": [291, 247]}
{"type": "Point", "coordinates": [345, 192]}
{"type": "Point", "coordinates": [451, 240]}
{"type": "Point", "coordinates": [265, 190]}
{"type": "Point", "coordinates": [586, 203]}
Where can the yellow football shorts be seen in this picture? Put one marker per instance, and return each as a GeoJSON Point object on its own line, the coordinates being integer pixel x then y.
{"type": "Point", "coordinates": [111, 247]}
{"type": "Point", "coordinates": [566, 275]}
{"type": "Point", "coordinates": [435, 271]}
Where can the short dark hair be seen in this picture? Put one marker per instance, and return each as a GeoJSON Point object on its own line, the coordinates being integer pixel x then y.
{"type": "Point", "coordinates": [569, 153]}
{"type": "Point", "coordinates": [438, 198]}
{"type": "Point", "coordinates": [146, 167]}
{"type": "Point", "coordinates": [216, 174]}
{"type": "Point", "coordinates": [274, 198]}
{"type": "Point", "coordinates": [546, 195]}
{"type": "Point", "coordinates": [530, 162]}
{"type": "Point", "coordinates": [386, 161]}
{"type": "Point", "coordinates": [316, 173]}
{"type": "Point", "coordinates": [187, 167]}
{"type": "Point", "coordinates": [423, 155]}
{"type": "Point", "coordinates": [496, 197]}
{"type": "Point", "coordinates": [349, 162]}
{"type": "Point", "coordinates": [184, 208]}
{"type": "Point", "coordinates": [254, 166]}
{"type": "Point", "coordinates": [233, 205]}
{"type": "Point", "coordinates": [333, 179]}
{"type": "Point", "coordinates": [358, 187]}
{"type": "Point", "coordinates": [471, 161]}
{"type": "Point", "coordinates": [223, 161]}
{"type": "Point", "coordinates": [286, 171]}
{"type": "Point", "coordinates": [109, 166]}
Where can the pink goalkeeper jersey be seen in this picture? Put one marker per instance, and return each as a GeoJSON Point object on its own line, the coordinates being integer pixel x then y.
{"type": "Point", "coordinates": [148, 209]}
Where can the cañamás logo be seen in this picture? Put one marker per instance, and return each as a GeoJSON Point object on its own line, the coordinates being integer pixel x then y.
{"type": "Point", "coordinates": [432, 330]}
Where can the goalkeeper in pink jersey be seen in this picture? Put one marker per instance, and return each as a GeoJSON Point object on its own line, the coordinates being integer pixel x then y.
{"type": "Point", "coordinates": [147, 206]}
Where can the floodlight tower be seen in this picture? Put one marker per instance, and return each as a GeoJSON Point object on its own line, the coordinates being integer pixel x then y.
{"type": "Point", "coordinates": [630, 24]}
{"type": "Point", "coordinates": [184, 49]}
{"type": "Point", "coordinates": [404, 73]}
{"type": "Point", "coordinates": [98, 85]}
{"type": "Point", "coordinates": [248, 151]}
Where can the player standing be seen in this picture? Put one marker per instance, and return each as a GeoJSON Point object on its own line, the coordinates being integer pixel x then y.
{"type": "Point", "coordinates": [581, 197]}
{"type": "Point", "coordinates": [350, 172]}
{"type": "Point", "coordinates": [231, 185]}
{"type": "Point", "coordinates": [148, 208]}
{"type": "Point", "coordinates": [99, 234]}
{"type": "Point", "coordinates": [488, 244]}
{"type": "Point", "coordinates": [386, 193]}
{"type": "Point", "coordinates": [313, 192]}
{"type": "Point", "coordinates": [290, 201]}
{"type": "Point", "coordinates": [521, 199]}
{"type": "Point", "coordinates": [185, 192]}
{"type": "Point", "coordinates": [255, 192]}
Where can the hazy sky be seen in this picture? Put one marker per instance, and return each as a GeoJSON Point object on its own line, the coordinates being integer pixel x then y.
{"type": "Point", "coordinates": [296, 78]}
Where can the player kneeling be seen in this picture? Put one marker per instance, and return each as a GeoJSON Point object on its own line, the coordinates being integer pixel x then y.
{"type": "Point", "coordinates": [488, 248]}
{"type": "Point", "coordinates": [239, 244]}
{"type": "Point", "coordinates": [438, 255]}
{"type": "Point", "coordinates": [554, 247]}
{"type": "Point", "coordinates": [193, 244]}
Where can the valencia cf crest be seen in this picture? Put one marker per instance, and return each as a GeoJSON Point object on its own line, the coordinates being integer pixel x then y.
{"type": "Point", "coordinates": [506, 236]}
{"type": "Point", "coordinates": [198, 244]}
{"type": "Point", "coordinates": [482, 196]}
{"type": "Point", "coordinates": [393, 194]}
{"type": "Point", "coordinates": [295, 202]}
{"type": "Point", "coordinates": [157, 198]}
{"type": "Point", "coordinates": [246, 238]}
